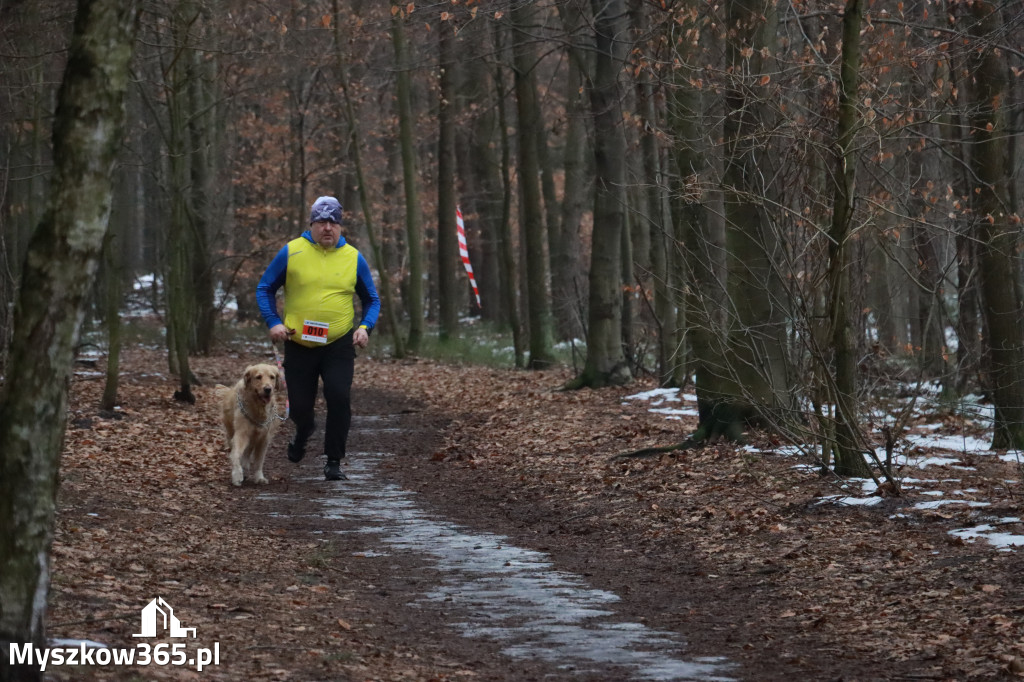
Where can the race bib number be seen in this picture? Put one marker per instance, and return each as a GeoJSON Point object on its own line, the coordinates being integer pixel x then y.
{"type": "Point", "coordinates": [314, 331]}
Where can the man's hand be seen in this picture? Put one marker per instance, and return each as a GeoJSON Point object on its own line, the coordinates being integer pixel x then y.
{"type": "Point", "coordinates": [360, 338]}
{"type": "Point", "coordinates": [279, 332]}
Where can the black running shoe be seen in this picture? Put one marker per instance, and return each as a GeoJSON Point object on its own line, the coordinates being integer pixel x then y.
{"type": "Point", "coordinates": [296, 451]}
{"type": "Point", "coordinates": [332, 471]}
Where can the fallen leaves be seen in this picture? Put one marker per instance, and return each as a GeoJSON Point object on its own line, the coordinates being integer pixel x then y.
{"type": "Point", "coordinates": [830, 571]}
{"type": "Point", "coordinates": [901, 586]}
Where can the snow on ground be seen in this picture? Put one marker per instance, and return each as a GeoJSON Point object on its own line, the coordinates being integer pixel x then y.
{"type": "Point", "coordinates": [660, 396]}
{"type": "Point", "coordinates": [926, 450]}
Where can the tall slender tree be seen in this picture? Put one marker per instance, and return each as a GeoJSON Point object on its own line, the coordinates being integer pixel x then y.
{"type": "Point", "coordinates": [756, 331]}
{"type": "Point", "coordinates": [180, 244]}
{"type": "Point", "coordinates": [652, 213]}
{"type": "Point", "coordinates": [413, 226]}
{"type": "Point", "coordinates": [849, 446]}
{"type": "Point", "coordinates": [379, 258]}
{"type": "Point", "coordinates": [510, 297]}
{"type": "Point", "coordinates": [61, 263]}
{"type": "Point", "coordinates": [447, 244]}
{"type": "Point", "coordinates": [538, 303]}
{"type": "Point", "coordinates": [202, 103]}
{"type": "Point", "coordinates": [998, 240]}
{"type": "Point", "coordinates": [568, 285]}
{"type": "Point", "coordinates": [605, 363]}
{"type": "Point", "coordinates": [701, 241]}
{"type": "Point", "coordinates": [478, 150]}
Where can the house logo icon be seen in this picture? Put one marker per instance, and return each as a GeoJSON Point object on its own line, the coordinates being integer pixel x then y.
{"type": "Point", "coordinates": [171, 624]}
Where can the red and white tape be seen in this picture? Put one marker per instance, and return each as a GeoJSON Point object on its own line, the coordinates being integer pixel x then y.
{"type": "Point", "coordinates": [464, 252]}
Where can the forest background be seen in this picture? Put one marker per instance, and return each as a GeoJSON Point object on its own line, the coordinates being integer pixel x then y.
{"type": "Point", "coordinates": [805, 207]}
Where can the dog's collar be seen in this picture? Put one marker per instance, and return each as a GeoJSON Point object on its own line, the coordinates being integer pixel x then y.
{"type": "Point", "coordinates": [271, 411]}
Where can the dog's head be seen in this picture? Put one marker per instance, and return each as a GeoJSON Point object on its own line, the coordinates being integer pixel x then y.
{"type": "Point", "coordinates": [262, 381]}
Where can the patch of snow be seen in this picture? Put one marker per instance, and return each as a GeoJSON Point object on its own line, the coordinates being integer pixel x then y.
{"type": "Point", "coordinates": [926, 462]}
{"type": "Point", "coordinates": [670, 394]}
{"type": "Point", "coordinates": [859, 501]}
{"type": "Point", "coordinates": [941, 503]}
{"type": "Point", "coordinates": [955, 443]}
{"type": "Point", "coordinates": [986, 532]}
{"type": "Point", "coordinates": [676, 412]}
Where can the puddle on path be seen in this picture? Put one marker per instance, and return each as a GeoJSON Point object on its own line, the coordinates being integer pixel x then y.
{"type": "Point", "coordinates": [514, 596]}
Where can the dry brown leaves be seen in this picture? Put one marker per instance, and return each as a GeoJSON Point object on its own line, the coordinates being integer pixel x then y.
{"type": "Point", "coordinates": [884, 583]}
{"type": "Point", "coordinates": [144, 492]}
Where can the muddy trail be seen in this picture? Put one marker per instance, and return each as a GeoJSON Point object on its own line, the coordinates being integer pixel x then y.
{"type": "Point", "coordinates": [467, 545]}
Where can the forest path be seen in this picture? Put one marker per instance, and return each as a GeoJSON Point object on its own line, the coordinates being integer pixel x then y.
{"type": "Point", "coordinates": [477, 584]}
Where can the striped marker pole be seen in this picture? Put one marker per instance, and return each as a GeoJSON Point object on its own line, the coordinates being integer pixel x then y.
{"type": "Point", "coordinates": [464, 252]}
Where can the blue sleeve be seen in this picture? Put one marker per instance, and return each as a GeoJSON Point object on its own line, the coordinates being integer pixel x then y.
{"type": "Point", "coordinates": [367, 294]}
{"type": "Point", "coordinates": [266, 290]}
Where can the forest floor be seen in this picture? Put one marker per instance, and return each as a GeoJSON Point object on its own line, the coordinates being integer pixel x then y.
{"type": "Point", "coordinates": [741, 553]}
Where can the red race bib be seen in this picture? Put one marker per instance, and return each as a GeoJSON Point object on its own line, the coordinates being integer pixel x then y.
{"type": "Point", "coordinates": [314, 331]}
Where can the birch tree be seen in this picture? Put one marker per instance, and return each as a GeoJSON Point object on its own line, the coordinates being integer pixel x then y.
{"type": "Point", "coordinates": [62, 260]}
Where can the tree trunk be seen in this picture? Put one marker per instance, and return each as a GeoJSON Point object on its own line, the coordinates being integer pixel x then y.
{"type": "Point", "coordinates": [552, 223]}
{"type": "Point", "coordinates": [968, 326]}
{"type": "Point", "coordinates": [113, 275]}
{"type": "Point", "coordinates": [756, 337]}
{"type": "Point", "coordinates": [628, 279]}
{"type": "Point", "coordinates": [379, 259]}
{"type": "Point", "coordinates": [849, 441]}
{"type": "Point", "coordinates": [929, 311]}
{"type": "Point", "coordinates": [880, 293]}
{"type": "Point", "coordinates": [478, 150]}
{"type": "Point", "coordinates": [968, 322]}
{"type": "Point", "coordinates": [447, 242]}
{"type": "Point", "coordinates": [201, 149]}
{"type": "Point", "coordinates": [538, 305]}
{"type": "Point", "coordinates": [605, 363]}
{"type": "Point", "coordinates": [507, 262]}
{"type": "Point", "coordinates": [653, 213]}
{"type": "Point", "coordinates": [24, 164]}
{"type": "Point", "coordinates": [568, 286]}
{"type": "Point", "coordinates": [997, 237]}
{"type": "Point", "coordinates": [180, 299]}
{"type": "Point", "coordinates": [61, 263]}
{"type": "Point", "coordinates": [413, 227]}
{"type": "Point", "coordinates": [700, 266]}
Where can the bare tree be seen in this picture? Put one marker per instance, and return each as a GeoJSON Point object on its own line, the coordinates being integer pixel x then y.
{"type": "Point", "coordinates": [447, 244]}
{"type": "Point", "coordinates": [538, 303]}
{"type": "Point", "coordinates": [507, 264]}
{"type": "Point", "coordinates": [605, 362]}
{"type": "Point", "coordinates": [998, 240]}
{"type": "Point", "coordinates": [390, 310]}
{"type": "Point", "coordinates": [756, 387]}
{"type": "Point", "coordinates": [848, 438]}
{"type": "Point", "coordinates": [62, 261]}
{"type": "Point", "coordinates": [413, 227]}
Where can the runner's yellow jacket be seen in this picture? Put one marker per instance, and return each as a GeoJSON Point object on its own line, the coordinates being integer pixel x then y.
{"type": "Point", "coordinates": [319, 284]}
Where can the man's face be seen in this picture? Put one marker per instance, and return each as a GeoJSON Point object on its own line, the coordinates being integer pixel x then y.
{"type": "Point", "coordinates": [325, 233]}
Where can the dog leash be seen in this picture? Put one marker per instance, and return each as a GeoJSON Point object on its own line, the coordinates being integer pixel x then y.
{"type": "Point", "coordinates": [280, 370]}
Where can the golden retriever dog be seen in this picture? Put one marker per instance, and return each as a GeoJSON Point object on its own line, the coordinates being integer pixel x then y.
{"type": "Point", "coordinates": [250, 420]}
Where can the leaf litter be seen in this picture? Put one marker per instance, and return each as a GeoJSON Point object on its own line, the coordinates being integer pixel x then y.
{"type": "Point", "coordinates": [746, 553]}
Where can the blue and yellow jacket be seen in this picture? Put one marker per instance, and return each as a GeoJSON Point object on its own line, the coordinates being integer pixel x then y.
{"type": "Point", "coordinates": [318, 285]}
